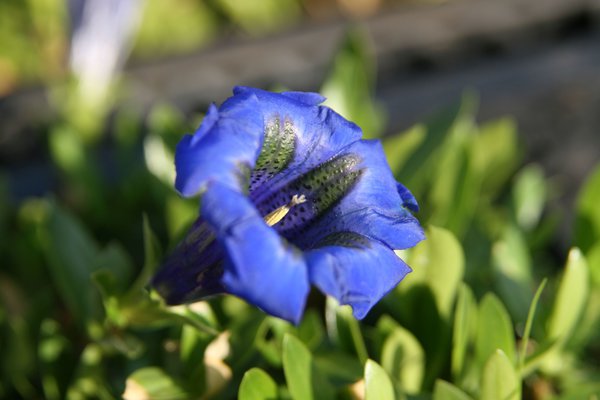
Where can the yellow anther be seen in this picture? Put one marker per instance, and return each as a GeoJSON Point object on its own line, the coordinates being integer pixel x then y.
{"type": "Point", "coordinates": [277, 215]}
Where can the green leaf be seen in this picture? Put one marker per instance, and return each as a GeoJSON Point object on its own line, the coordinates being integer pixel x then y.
{"type": "Point", "coordinates": [529, 196]}
{"type": "Point", "coordinates": [261, 16]}
{"type": "Point", "coordinates": [344, 329]}
{"type": "Point", "coordinates": [587, 222]}
{"type": "Point", "coordinates": [499, 380]}
{"type": "Point", "coordinates": [398, 148]}
{"type": "Point", "coordinates": [593, 258]}
{"type": "Point", "coordinates": [494, 330]}
{"type": "Point", "coordinates": [512, 270]}
{"type": "Point", "coordinates": [446, 391]}
{"type": "Point", "coordinates": [257, 385]}
{"type": "Point", "coordinates": [350, 85]}
{"type": "Point", "coordinates": [152, 383]}
{"type": "Point", "coordinates": [303, 381]}
{"type": "Point", "coordinates": [571, 298]}
{"type": "Point", "coordinates": [496, 152]}
{"type": "Point", "coordinates": [418, 169]}
{"type": "Point", "coordinates": [439, 263]}
{"type": "Point", "coordinates": [529, 324]}
{"type": "Point", "coordinates": [465, 320]}
{"type": "Point", "coordinates": [404, 359]}
{"type": "Point", "coordinates": [71, 254]}
{"type": "Point", "coordinates": [378, 385]}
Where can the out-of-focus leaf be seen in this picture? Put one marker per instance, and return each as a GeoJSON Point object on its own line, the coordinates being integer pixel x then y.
{"type": "Point", "coordinates": [71, 254]}
{"type": "Point", "coordinates": [499, 380]}
{"type": "Point", "coordinates": [404, 360]}
{"type": "Point", "coordinates": [344, 329]}
{"type": "Point", "coordinates": [115, 259]}
{"type": "Point", "coordinates": [311, 330]}
{"type": "Point", "coordinates": [190, 24]}
{"type": "Point", "coordinates": [496, 152]}
{"type": "Point", "coordinates": [378, 385]}
{"type": "Point", "coordinates": [512, 270]}
{"type": "Point", "coordinates": [494, 330]}
{"type": "Point", "coordinates": [398, 148]}
{"type": "Point", "coordinates": [446, 391]}
{"type": "Point", "coordinates": [160, 161]}
{"type": "Point", "coordinates": [465, 325]}
{"type": "Point", "coordinates": [329, 363]}
{"type": "Point", "coordinates": [350, 85]}
{"type": "Point", "coordinates": [456, 182]}
{"type": "Point", "coordinates": [303, 380]}
{"type": "Point", "coordinates": [269, 339]}
{"type": "Point", "coordinates": [528, 325]}
{"type": "Point", "coordinates": [437, 262]}
{"type": "Point", "coordinates": [261, 16]}
{"type": "Point", "coordinates": [257, 385]}
{"type": "Point", "coordinates": [587, 222]}
{"type": "Point", "coordinates": [571, 298]}
{"type": "Point", "coordinates": [593, 258]}
{"type": "Point", "coordinates": [152, 383]}
{"type": "Point", "coordinates": [529, 196]}
{"type": "Point", "coordinates": [51, 350]}
{"type": "Point", "coordinates": [417, 170]}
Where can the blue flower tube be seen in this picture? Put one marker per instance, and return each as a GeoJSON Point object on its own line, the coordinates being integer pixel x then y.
{"type": "Point", "coordinates": [290, 196]}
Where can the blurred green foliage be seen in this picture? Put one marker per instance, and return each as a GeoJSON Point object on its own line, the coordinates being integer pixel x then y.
{"type": "Point", "coordinates": [493, 310]}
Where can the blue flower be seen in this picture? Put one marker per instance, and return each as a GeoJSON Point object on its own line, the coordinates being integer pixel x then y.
{"type": "Point", "coordinates": [290, 196]}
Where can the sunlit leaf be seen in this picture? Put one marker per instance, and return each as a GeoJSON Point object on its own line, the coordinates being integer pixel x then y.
{"type": "Point", "coordinates": [446, 391]}
{"type": "Point", "coordinates": [494, 330]}
{"type": "Point", "coordinates": [499, 379]}
{"type": "Point", "coordinates": [377, 383]}
{"type": "Point", "coordinates": [257, 385]}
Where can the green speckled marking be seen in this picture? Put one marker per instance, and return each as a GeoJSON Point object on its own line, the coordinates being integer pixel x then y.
{"type": "Point", "coordinates": [278, 146]}
{"type": "Point", "coordinates": [326, 184]}
{"type": "Point", "coordinates": [345, 239]}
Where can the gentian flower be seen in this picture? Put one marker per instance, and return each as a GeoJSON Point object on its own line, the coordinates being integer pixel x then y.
{"type": "Point", "coordinates": [289, 196]}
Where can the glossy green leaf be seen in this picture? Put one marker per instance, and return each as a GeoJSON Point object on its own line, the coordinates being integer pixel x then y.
{"type": "Point", "coordinates": [494, 330]}
{"type": "Point", "coordinates": [499, 380]}
{"type": "Point", "coordinates": [571, 297]}
{"type": "Point", "coordinates": [378, 385]}
{"type": "Point", "coordinates": [446, 391]}
{"type": "Point", "coordinates": [257, 385]}
{"type": "Point", "coordinates": [465, 320]}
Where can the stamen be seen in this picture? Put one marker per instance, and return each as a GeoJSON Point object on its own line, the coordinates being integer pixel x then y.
{"type": "Point", "coordinates": [277, 215]}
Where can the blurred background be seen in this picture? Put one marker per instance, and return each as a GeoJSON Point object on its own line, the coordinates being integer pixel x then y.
{"type": "Point", "coordinates": [488, 110]}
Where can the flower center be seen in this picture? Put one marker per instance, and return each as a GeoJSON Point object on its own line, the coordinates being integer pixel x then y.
{"type": "Point", "coordinates": [277, 215]}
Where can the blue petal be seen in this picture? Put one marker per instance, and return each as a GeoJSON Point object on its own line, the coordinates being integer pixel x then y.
{"type": "Point", "coordinates": [308, 98]}
{"type": "Point", "coordinates": [408, 200]}
{"type": "Point", "coordinates": [371, 208]}
{"type": "Point", "coordinates": [260, 266]}
{"type": "Point", "coordinates": [358, 275]}
{"type": "Point", "coordinates": [222, 150]}
{"type": "Point", "coordinates": [226, 146]}
{"type": "Point", "coordinates": [194, 270]}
